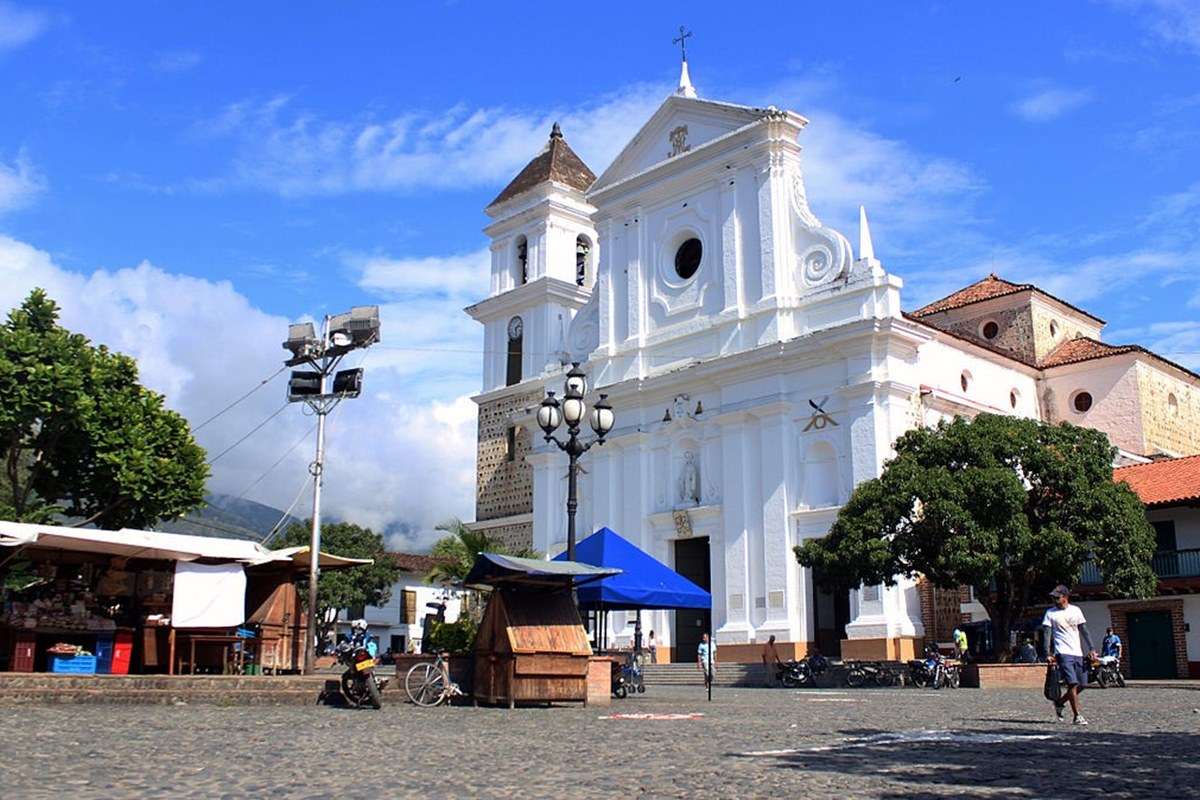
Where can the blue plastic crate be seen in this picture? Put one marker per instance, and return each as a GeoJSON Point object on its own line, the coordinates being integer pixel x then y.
{"type": "Point", "coordinates": [73, 665]}
{"type": "Point", "coordinates": [104, 653]}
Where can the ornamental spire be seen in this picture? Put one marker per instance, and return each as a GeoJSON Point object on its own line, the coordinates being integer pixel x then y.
{"type": "Point", "coordinates": [866, 248]}
{"type": "Point", "coordinates": [685, 88]}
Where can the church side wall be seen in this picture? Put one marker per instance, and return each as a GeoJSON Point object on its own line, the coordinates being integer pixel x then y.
{"type": "Point", "coordinates": [504, 487]}
{"type": "Point", "coordinates": [1116, 400]}
{"type": "Point", "coordinates": [1168, 427]}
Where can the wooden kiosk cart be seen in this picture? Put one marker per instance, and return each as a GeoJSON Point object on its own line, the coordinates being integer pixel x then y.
{"type": "Point", "coordinates": [531, 646]}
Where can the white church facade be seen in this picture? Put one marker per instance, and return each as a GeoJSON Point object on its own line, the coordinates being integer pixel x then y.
{"type": "Point", "coordinates": [760, 366]}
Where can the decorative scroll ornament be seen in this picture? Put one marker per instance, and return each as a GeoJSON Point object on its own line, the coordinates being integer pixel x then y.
{"type": "Point", "coordinates": [823, 254]}
{"type": "Point", "coordinates": [583, 333]}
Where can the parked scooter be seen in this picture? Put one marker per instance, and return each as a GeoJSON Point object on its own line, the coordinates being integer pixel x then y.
{"type": "Point", "coordinates": [794, 674]}
{"type": "Point", "coordinates": [1106, 671]}
{"type": "Point", "coordinates": [360, 686]}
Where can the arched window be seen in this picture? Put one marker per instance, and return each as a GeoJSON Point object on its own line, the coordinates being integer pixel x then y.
{"type": "Point", "coordinates": [583, 256]}
{"type": "Point", "coordinates": [522, 261]}
{"type": "Point", "coordinates": [964, 380]}
{"type": "Point", "coordinates": [516, 339]}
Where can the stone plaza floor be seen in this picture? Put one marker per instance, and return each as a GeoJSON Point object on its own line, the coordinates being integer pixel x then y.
{"type": "Point", "coordinates": [893, 743]}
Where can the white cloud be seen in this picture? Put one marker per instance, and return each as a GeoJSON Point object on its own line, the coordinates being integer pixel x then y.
{"type": "Point", "coordinates": [394, 455]}
{"type": "Point", "coordinates": [1051, 103]}
{"type": "Point", "coordinates": [294, 152]}
{"type": "Point", "coordinates": [20, 182]}
{"type": "Point", "coordinates": [1173, 21]}
{"type": "Point", "coordinates": [20, 26]}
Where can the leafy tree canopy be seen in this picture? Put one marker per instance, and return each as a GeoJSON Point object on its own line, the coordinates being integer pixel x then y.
{"type": "Point", "coordinates": [367, 585]}
{"type": "Point", "coordinates": [1008, 506]}
{"type": "Point", "coordinates": [80, 436]}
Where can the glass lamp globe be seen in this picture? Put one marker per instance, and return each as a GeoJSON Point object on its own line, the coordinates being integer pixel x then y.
{"type": "Point", "coordinates": [576, 385]}
{"type": "Point", "coordinates": [548, 415]}
{"type": "Point", "coordinates": [602, 417]}
{"type": "Point", "coordinates": [573, 410]}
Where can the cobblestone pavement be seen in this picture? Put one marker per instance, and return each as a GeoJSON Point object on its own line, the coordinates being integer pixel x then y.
{"type": "Point", "coordinates": [748, 743]}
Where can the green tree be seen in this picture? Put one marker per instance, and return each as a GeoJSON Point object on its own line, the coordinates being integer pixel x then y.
{"type": "Point", "coordinates": [1008, 506]}
{"type": "Point", "coordinates": [79, 436]}
{"type": "Point", "coordinates": [366, 585]}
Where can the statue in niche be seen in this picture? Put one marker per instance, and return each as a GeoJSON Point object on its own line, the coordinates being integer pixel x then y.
{"type": "Point", "coordinates": [679, 408]}
{"type": "Point", "coordinates": [689, 480]}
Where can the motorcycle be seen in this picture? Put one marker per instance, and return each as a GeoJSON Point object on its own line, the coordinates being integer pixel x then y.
{"type": "Point", "coordinates": [360, 686]}
{"type": "Point", "coordinates": [859, 672]}
{"type": "Point", "coordinates": [1106, 671]}
{"type": "Point", "coordinates": [933, 671]}
{"type": "Point", "coordinates": [794, 674]}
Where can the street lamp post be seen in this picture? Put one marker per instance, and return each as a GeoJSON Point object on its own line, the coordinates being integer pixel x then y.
{"type": "Point", "coordinates": [572, 411]}
{"type": "Point", "coordinates": [353, 330]}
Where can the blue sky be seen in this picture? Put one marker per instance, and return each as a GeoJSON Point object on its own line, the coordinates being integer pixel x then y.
{"type": "Point", "coordinates": [187, 179]}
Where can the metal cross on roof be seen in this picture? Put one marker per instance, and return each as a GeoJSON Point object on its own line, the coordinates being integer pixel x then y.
{"type": "Point", "coordinates": [681, 40]}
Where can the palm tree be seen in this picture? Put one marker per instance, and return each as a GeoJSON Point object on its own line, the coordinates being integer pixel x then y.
{"type": "Point", "coordinates": [456, 552]}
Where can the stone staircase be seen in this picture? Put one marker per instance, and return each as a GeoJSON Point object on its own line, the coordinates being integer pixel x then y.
{"type": "Point", "coordinates": [727, 674]}
{"type": "Point", "coordinates": [18, 688]}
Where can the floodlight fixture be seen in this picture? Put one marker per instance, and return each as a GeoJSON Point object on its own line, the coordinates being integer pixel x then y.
{"type": "Point", "coordinates": [348, 382]}
{"type": "Point", "coordinates": [301, 340]}
{"type": "Point", "coordinates": [303, 385]}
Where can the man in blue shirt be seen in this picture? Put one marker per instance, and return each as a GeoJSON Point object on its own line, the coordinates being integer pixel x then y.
{"type": "Point", "coordinates": [1111, 646]}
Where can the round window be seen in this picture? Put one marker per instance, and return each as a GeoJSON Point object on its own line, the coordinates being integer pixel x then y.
{"type": "Point", "coordinates": [687, 258]}
{"type": "Point", "coordinates": [1082, 402]}
{"type": "Point", "coordinates": [990, 329]}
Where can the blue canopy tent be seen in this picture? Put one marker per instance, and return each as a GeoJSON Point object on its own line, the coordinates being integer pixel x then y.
{"type": "Point", "coordinates": [644, 582]}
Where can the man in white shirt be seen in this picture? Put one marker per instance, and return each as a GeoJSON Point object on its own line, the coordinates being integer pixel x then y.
{"type": "Point", "coordinates": [1066, 638]}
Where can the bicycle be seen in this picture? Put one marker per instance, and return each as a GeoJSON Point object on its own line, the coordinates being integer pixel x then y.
{"type": "Point", "coordinates": [429, 684]}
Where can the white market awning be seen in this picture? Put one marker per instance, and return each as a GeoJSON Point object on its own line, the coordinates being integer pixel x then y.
{"type": "Point", "coordinates": [131, 543]}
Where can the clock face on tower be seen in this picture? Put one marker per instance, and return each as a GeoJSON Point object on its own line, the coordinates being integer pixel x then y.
{"type": "Point", "coordinates": [515, 328]}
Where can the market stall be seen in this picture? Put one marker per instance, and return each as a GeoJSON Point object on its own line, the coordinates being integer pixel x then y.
{"type": "Point", "coordinates": [531, 645]}
{"type": "Point", "coordinates": [86, 601]}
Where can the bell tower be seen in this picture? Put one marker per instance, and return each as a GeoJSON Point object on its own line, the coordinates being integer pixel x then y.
{"type": "Point", "coordinates": [544, 256]}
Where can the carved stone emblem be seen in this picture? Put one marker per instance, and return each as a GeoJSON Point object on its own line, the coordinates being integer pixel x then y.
{"type": "Point", "coordinates": [683, 524]}
{"type": "Point", "coordinates": [678, 138]}
{"type": "Point", "coordinates": [820, 418]}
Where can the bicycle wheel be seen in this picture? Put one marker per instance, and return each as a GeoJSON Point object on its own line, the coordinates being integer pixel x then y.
{"type": "Point", "coordinates": [855, 677]}
{"type": "Point", "coordinates": [425, 685]}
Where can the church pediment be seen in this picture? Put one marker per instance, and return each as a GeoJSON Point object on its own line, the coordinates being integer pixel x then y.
{"type": "Point", "coordinates": [680, 125]}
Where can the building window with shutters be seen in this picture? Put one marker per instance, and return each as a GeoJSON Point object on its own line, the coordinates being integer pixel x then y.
{"type": "Point", "coordinates": [410, 607]}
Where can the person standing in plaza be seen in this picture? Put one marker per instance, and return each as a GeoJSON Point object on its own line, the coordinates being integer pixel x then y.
{"type": "Point", "coordinates": [1111, 646]}
{"type": "Point", "coordinates": [771, 661]}
{"type": "Point", "coordinates": [706, 659]}
{"type": "Point", "coordinates": [652, 646]}
{"type": "Point", "coordinates": [961, 646]}
{"type": "Point", "coordinates": [1067, 637]}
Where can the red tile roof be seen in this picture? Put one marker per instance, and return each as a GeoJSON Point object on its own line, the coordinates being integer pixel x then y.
{"type": "Point", "coordinates": [1084, 348]}
{"type": "Point", "coordinates": [557, 162]}
{"type": "Point", "coordinates": [986, 289]}
{"type": "Point", "coordinates": [1172, 481]}
{"type": "Point", "coordinates": [413, 562]}
{"type": "Point", "coordinates": [990, 287]}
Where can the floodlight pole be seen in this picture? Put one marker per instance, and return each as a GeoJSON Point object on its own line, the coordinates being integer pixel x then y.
{"type": "Point", "coordinates": [318, 472]}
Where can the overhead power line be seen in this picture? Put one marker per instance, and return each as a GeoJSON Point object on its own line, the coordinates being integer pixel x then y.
{"type": "Point", "coordinates": [250, 433]}
{"type": "Point", "coordinates": [258, 386]}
